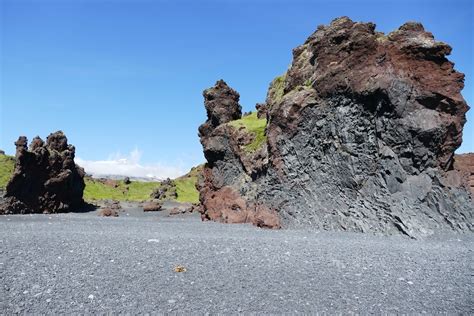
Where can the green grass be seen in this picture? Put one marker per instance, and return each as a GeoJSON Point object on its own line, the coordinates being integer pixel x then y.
{"type": "Point", "coordinates": [7, 165]}
{"type": "Point", "coordinates": [137, 191]}
{"type": "Point", "coordinates": [140, 191]}
{"type": "Point", "coordinates": [277, 88]}
{"type": "Point", "coordinates": [308, 83]}
{"type": "Point", "coordinates": [254, 125]}
{"type": "Point", "coordinates": [186, 190]}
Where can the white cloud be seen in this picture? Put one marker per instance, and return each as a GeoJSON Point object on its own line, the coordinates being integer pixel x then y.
{"type": "Point", "coordinates": [129, 165]}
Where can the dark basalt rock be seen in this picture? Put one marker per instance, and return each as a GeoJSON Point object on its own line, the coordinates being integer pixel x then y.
{"type": "Point", "coordinates": [222, 106]}
{"type": "Point", "coordinates": [166, 191]}
{"type": "Point", "coordinates": [361, 136]}
{"type": "Point", "coordinates": [126, 180]}
{"type": "Point", "coordinates": [46, 179]}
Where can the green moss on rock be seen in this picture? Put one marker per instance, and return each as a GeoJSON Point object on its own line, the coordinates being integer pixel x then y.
{"type": "Point", "coordinates": [277, 88]}
{"type": "Point", "coordinates": [255, 126]}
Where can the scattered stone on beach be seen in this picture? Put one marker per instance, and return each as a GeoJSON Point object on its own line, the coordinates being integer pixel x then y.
{"type": "Point", "coordinates": [361, 135]}
{"type": "Point", "coordinates": [182, 208]}
{"type": "Point", "coordinates": [110, 208]}
{"type": "Point", "coordinates": [45, 179]}
{"type": "Point", "coordinates": [152, 206]}
{"type": "Point", "coordinates": [180, 268]}
{"type": "Point", "coordinates": [108, 212]}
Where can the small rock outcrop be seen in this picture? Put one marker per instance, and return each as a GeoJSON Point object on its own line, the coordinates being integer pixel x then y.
{"type": "Point", "coordinates": [46, 179]}
{"type": "Point", "coordinates": [166, 191]}
{"type": "Point", "coordinates": [222, 106]}
{"type": "Point", "coordinates": [359, 135]}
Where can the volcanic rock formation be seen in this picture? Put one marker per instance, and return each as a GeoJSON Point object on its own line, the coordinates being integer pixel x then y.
{"type": "Point", "coordinates": [46, 179]}
{"type": "Point", "coordinates": [360, 135]}
{"type": "Point", "coordinates": [465, 164]}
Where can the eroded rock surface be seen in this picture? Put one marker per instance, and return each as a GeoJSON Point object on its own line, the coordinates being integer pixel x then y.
{"type": "Point", "coordinates": [361, 135]}
{"type": "Point", "coordinates": [464, 163]}
{"type": "Point", "coordinates": [46, 179]}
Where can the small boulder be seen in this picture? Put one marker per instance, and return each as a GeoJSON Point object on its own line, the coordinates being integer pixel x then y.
{"type": "Point", "coordinates": [108, 212]}
{"type": "Point", "coordinates": [182, 209]}
{"type": "Point", "coordinates": [152, 206]}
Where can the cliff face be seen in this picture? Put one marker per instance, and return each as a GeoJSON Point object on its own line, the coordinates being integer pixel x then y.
{"type": "Point", "coordinates": [359, 135]}
{"type": "Point", "coordinates": [46, 179]}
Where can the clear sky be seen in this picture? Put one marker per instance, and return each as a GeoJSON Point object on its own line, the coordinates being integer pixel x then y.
{"type": "Point", "coordinates": [124, 79]}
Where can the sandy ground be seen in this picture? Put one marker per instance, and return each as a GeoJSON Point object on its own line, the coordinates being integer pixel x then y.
{"type": "Point", "coordinates": [82, 263]}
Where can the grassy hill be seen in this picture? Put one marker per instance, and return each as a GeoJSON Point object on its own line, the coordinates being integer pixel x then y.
{"type": "Point", "coordinates": [7, 164]}
{"type": "Point", "coordinates": [186, 186]}
{"type": "Point", "coordinates": [117, 190]}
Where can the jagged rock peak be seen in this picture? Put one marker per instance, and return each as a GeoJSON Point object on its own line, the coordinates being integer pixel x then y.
{"type": "Point", "coordinates": [45, 179]}
{"type": "Point", "coordinates": [222, 106]}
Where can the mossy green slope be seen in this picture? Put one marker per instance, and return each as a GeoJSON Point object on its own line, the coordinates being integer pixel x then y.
{"type": "Point", "coordinates": [186, 190]}
{"type": "Point", "coordinates": [277, 88]}
{"type": "Point", "coordinates": [186, 186]}
{"type": "Point", "coordinates": [7, 165]}
{"type": "Point", "coordinates": [254, 125]}
{"type": "Point", "coordinates": [137, 191]}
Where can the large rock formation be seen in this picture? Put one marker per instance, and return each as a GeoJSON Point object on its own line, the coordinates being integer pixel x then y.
{"type": "Point", "coordinates": [46, 179]}
{"type": "Point", "coordinates": [361, 136]}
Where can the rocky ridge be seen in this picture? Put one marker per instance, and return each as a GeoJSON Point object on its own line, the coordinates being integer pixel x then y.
{"type": "Point", "coordinates": [45, 179]}
{"type": "Point", "coordinates": [360, 135]}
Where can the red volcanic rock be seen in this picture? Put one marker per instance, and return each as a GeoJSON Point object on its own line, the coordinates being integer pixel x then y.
{"type": "Point", "coordinates": [222, 106]}
{"type": "Point", "coordinates": [108, 212]}
{"type": "Point", "coordinates": [464, 163]}
{"type": "Point", "coordinates": [404, 76]}
{"type": "Point", "coordinates": [152, 206]}
{"type": "Point", "coordinates": [46, 179]}
{"type": "Point", "coordinates": [262, 109]}
{"type": "Point", "coordinates": [182, 208]}
{"type": "Point", "coordinates": [361, 136]}
{"type": "Point", "coordinates": [227, 206]}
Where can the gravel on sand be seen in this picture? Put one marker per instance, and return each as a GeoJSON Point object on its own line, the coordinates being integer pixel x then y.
{"type": "Point", "coordinates": [149, 262]}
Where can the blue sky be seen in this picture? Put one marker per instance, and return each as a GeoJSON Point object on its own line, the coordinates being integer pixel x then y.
{"type": "Point", "coordinates": [124, 79]}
